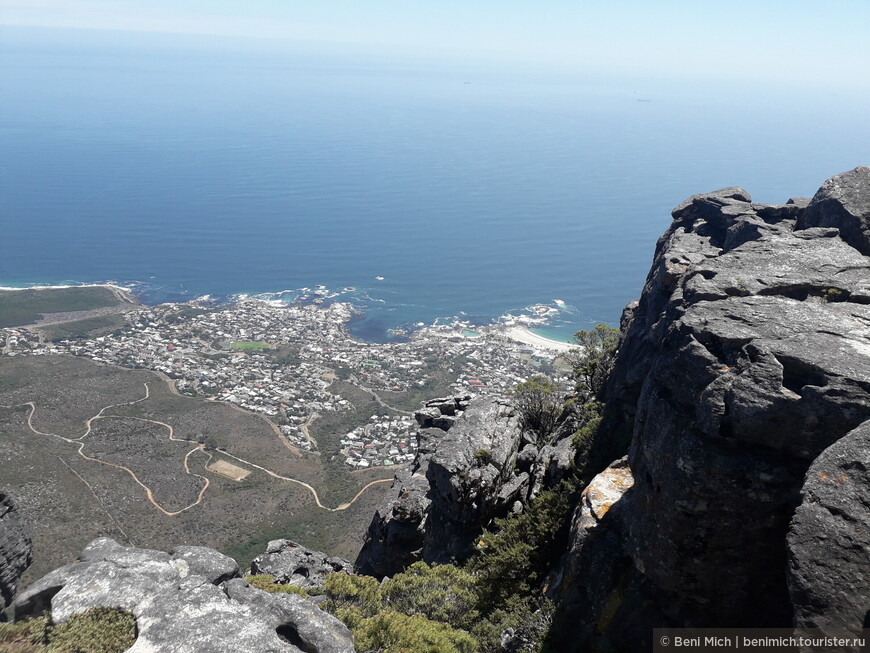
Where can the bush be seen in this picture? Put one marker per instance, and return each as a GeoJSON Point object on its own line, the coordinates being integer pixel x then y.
{"type": "Point", "coordinates": [26, 636]}
{"type": "Point", "coordinates": [483, 457]}
{"type": "Point", "coordinates": [267, 583]}
{"type": "Point", "coordinates": [539, 405]}
{"type": "Point", "coordinates": [593, 361]}
{"type": "Point", "coordinates": [398, 633]}
{"type": "Point", "coordinates": [100, 630]}
{"type": "Point", "coordinates": [361, 593]}
{"type": "Point", "coordinates": [513, 559]}
{"type": "Point", "coordinates": [422, 609]}
{"type": "Point", "coordinates": [442, 593]}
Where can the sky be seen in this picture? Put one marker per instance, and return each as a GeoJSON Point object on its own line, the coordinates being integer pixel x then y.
{"type": "Point", "coordinates": [794, 41]}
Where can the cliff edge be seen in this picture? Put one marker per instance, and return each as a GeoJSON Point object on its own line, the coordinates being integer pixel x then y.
{"type": "Point", "coordinates": [744, 377]}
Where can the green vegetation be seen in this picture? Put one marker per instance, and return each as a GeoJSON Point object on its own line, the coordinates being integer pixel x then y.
{"type": "Point", "coordinates": [249, 346]}
{"type": "Point", "coordinates": [20, 307]}
{"type": "Point", "coordinates": [89, 327]}
{"type": "Point", "coordinates": [266, 583]}
{"type": "Point", "coordinates": [398, 633]}
{"type": "Point", "coordinates": [424, 609]}
{"type": "Point", "coordinates": [833, 295]}
{"type": "Point", "coordinates": [539, 405]}
{"type": "Point", "coordinates": [483, 457]}
{"type": "Point", "coordinates": [99, 630]}
{"type": "Point", "coordinates": [450, 608]}
{"type": "Point", "coordinates": [594, 360]}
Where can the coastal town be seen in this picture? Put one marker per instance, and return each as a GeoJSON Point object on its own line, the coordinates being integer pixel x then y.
{"type": "Point", "coordinates": [281, 360]}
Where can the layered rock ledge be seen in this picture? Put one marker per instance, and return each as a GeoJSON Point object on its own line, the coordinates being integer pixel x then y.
{"type": "Point", "coordinates": [745, 362]}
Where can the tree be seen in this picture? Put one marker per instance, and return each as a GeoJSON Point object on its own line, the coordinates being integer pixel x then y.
{"type": "Point", "coordinates": [539, 405]}
{"type": "Point", "coordinates": [593, 360]}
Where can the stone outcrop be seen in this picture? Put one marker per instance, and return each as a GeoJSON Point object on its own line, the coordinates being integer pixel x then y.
{"type": "Point", "coordinates": [746, 358]}
{"type": "Point", "coordinates": [478, 465]}
{"type": "Point", "coordinates": [829, 539]}
{"type": "Point", "coordinates": [15, 548]}
{"type": "Point", "coordinates": [293, 564]}
{"type": "Point", "coordinates": [188, 600]}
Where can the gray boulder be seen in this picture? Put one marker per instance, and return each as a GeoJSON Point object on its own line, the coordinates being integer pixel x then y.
{"type": "Point", "coordinates": [291, 563]}
{"type": "Point", "coordinates": [185, 601]}
{"type": "Point", "coordinates": [15, 548]}
{"type": "Point", "coordinates": [829, 539]}
{"type": "Point", "coordinates": [843, 202]}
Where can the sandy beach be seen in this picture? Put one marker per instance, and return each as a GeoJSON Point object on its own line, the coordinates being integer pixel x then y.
{"type": "Point", "coordinates": [524, 335]}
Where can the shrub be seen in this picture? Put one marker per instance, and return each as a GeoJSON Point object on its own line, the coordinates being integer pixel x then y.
{"type": "Point", "coordinates": [398, 633]}
{"type": "Point", "coordinates": [362, 593]}
{"type": "Point", "coordinates": [513, 559]}
{"type": "Point", "coordinates": [593, 360]}
{"type": "Point", "coordinates": [267, 583]}
{"type": "Point", "coordinates": [26, 636]}
{"type": "Point", "coordinates": [442, 593]}
{"type": "Point", "coordinates": [483, 457]}
{"type": "Point", "coordinates": [99, 630]}
{"type": "Point", "coordinates": [539, 405]}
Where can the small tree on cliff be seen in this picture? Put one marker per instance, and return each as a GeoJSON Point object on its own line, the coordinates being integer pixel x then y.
{"type": "Point", "coordinates": [539, 405]}
{"type": "Point", "coordinates": [593, 360]}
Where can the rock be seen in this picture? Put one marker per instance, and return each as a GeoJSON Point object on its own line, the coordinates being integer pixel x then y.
{"type": "Point", "coordinates": [289, 562]}
{"type": "Point", "coordinates": [746, 357]}
{"type": "Point", "coordinates": [300, 621]}
{"type": "Point", "coordinates": [441, 413]}
{"type": "Point", "coordinates": [829, 539]}
{"type": "Point", "coordinates": [464, 484]}
{"type": "Point", "coordinates": [426, 417]}
{"type": "Point", "coordinates": [215, 567]}
{"type": "Point", "coordinates": [527, 457]}
{"type": "Point", "coordinates": [440, 506]}
{"type": "Point", "coordinates": [15, 548]}
{"type": "Point", "coordinates": [843, 202]}
{"type": "Point", "coordinates": [557, 461]}
{"type": "Point", "coordinates": [596, 576]}
{"type": "Point", "coordinates": [181, 603]}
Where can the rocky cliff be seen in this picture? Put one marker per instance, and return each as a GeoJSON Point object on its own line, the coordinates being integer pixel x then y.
{"type": "Point", "coordinates": [474, 463]}
{"type": "Point", "coordinates": [744, 376]}
{"type": "Point", "coordinates": [15, 549]}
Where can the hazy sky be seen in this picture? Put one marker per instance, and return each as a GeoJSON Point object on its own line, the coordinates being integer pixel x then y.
{"type": "Point", "coordinates": [813, 41]}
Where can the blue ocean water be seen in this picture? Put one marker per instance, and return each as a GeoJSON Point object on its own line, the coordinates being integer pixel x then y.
{"type": "Point", "coordinates": [432, 191]}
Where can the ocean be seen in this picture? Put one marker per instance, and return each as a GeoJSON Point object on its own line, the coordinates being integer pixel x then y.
{"type": "Point", "coordinates": [419, 191]}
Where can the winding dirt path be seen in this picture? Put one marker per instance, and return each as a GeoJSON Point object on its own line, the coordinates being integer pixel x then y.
{"type": "Point", "coordinates": [80, 443]}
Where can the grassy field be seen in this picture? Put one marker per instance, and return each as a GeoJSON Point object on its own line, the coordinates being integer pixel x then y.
{"type": "Point", "coordinates": [20, 307]}
{"type": "Point", "coordinates": [249, 346]}
{"type": "Point", "coordinates": [67, 500]}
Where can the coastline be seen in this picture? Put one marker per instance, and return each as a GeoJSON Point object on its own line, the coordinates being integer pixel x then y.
{"type": "Point", "coordinates": [123, 294]}
{"type": "Point", "coordinates": [520, 333]}
{"type": "Point", "coordinates": [526, 336]}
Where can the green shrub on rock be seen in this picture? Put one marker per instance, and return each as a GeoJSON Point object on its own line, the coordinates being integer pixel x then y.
{"type": "Point", "coordinates": [266, 583]}
{"type": "Point", "coordinates": [444, 593]}
{"type": "Point", "coordinates": [26, 636]}
{"type": "Point", "coordinates": [398, 633]}
{"type": "Point", "coordinates": [99, 630]}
